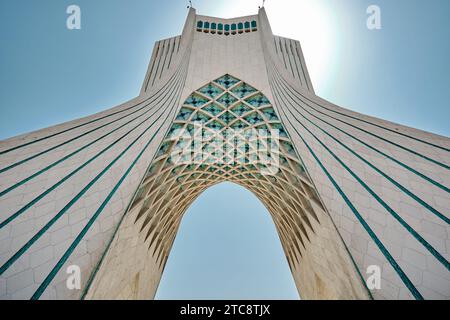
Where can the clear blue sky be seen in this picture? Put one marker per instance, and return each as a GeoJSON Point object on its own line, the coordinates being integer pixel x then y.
{"type": "Point", "coordinates": [225, 249]}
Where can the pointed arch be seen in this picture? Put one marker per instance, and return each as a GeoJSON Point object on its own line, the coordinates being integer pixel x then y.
{"type": "Point", "coordinates": [191, 159]}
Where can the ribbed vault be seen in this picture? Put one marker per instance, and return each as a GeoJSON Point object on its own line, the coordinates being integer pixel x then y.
{"type": "Point", "coordinates": [218, 113]}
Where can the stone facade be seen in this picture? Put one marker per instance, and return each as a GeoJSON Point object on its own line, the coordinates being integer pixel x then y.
{"type": "Point", "coordinates": [85, 193]}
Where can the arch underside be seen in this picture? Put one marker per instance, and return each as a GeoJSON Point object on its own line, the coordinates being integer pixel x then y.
{"type": "Point", "coordinates": [222, 113]}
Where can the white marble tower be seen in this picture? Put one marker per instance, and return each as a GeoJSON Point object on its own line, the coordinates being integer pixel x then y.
{"type": "Point", "coordinates": [101, 192]}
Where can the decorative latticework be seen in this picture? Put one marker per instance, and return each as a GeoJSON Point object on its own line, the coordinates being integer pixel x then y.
{"type": "Point", "coordinates": [170, 186]}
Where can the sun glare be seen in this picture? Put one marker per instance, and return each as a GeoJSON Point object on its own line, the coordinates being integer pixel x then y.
{"type": "Point", "coordinates": [310, 22]}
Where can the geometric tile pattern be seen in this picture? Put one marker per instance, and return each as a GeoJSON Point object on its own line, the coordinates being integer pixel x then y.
{"type": "Point", "coordinates": [169, 188]}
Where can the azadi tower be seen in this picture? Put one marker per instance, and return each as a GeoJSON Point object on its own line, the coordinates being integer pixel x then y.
{"type": "Point", "coordinates": [347, 192]}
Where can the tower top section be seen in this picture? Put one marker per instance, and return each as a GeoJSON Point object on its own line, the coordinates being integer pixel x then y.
{"type": "Point", "coordinates": [226, 26]}
{"type": "Point", "coordinates": [242, 46]}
